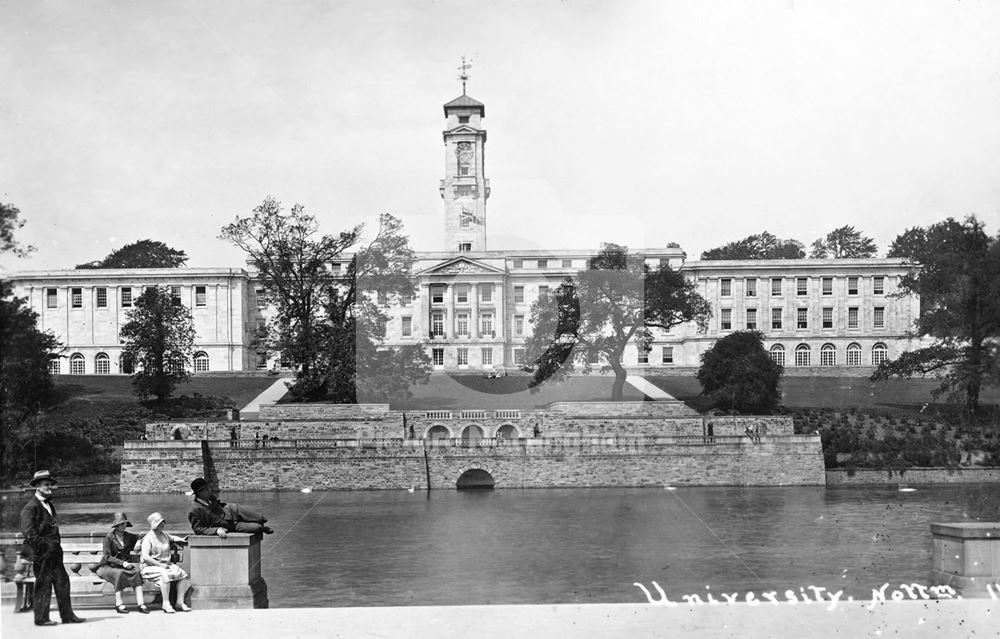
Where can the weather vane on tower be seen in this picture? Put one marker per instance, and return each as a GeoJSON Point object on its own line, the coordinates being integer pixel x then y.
{"type": "Point", "coordinates": [464, 75]}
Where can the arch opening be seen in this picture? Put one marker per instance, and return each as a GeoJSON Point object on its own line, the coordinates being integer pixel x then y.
{"type": "Point", "coordinates": [475, 479]}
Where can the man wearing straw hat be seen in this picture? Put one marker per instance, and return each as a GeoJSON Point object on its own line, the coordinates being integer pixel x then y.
{"type": "Point", "coordinates": [43, 544]}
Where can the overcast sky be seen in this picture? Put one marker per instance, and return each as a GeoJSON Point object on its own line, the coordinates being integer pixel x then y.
{"type": "Point", "coordinates": [642, 123]}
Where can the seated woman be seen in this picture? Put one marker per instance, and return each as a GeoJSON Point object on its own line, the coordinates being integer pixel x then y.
{"type": "Point", "coordinates": [156, 564]}
{"type": "Point", "coordinates": [116, 566]}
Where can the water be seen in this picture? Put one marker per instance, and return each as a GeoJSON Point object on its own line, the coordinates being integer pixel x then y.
{"type": "Point", "coordinates": [578, 545]}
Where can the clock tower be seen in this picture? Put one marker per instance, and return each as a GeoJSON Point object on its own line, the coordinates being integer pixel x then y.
{"type": "Point", "coordinates": [464, 188]}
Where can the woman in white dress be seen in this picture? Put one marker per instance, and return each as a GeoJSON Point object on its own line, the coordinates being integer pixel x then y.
{"type": "Point", "coordinates": [156, 565]}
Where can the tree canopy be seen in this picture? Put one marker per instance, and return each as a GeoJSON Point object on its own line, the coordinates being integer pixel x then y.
{"type": "Point", "coordinates": [617, 300]}
{"type": "Point", "coordinates": [762, 246]}
{"type": "Point", "coordinates": [140, 254]}
{"type": "Point", "coordinates": [843, 243]}
{"type": "Point", "coordinates": [957, 276]}
{"type": "Point", "coordinates": [737, 373]}
{"type": "Point", "coordinates": [158, 337]}
{"type": "Point", "coordinates": [9, 223]}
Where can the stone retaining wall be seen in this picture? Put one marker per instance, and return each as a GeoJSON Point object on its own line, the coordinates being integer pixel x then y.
{"type": "Point", "coordinates": [875, 476]}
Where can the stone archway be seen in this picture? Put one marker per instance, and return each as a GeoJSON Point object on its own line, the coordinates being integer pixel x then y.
{"type": "Point", "coordinates": [475, 479]}
{"type": "Point", "coordinates": [508, 431]}
{"type": "Point", "coordinates": [438, 431]}
{"type": "Point", "coordinates": [182, 431]}
{"type": "Point", "coordinates": [472, 433]}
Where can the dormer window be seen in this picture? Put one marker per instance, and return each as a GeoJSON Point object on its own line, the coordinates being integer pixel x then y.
{"type": "Point", "coordinates": [464, 247]}
{"type": "Point", "coordinates": [463, 119]}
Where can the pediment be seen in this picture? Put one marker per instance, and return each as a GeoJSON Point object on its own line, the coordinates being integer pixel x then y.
{"type": "Point", "coordinates": [463, 128]}
{"type": "Point", "coordinates": [461, 266]}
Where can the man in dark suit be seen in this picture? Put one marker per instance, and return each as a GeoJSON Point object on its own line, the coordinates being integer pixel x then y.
{"type": "Point", "coordinates": [209, 516]}
{"type": "Point", "coordinates": [43, 544]}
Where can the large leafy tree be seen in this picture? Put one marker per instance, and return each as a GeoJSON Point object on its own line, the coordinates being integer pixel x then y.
{"type": "Point", "coordinates": [10, 222]}
{"type": "Point", "coordinates": [762, 246]}
{"type": "Point", "coordinates": [158, 336]}
{"type": "Point", "coordinates": [738, 373]}
{"type": "Point", "coordinates": [957, 276]}
{"type": "Point", "coordinates": [843, 242]}
{"type": "Point", "coordinates": [141, 254]}
{"type": "Point", "coordinates": [617, 300]}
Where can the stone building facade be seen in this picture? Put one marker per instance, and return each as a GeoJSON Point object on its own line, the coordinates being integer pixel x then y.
{"type": "Point", "coordinates": [471, 306]}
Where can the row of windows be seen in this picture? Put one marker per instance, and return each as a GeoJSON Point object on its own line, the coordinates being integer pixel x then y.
{"type": "Point", "coordinates": [801, 286]}
{"type": "Point", "coordinates": [462, 356]}
{"type": "Point", "coordinates": [102, 364]}
{"type": "Point", "coordinates": [801, 318]}
{"type": "Point", "coordinates": [542, 263]}
{"type": "Point", "coordinates": [462, 294]}
{"type": "Point", "coordinates": [828, 354]}
{"type": "Point", "coordinates": [126, 296]}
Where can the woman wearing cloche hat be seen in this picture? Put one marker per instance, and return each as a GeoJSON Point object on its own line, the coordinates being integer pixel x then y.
{"type": "Point", "coordinates": [117, 567]}
{"type": "Point", "coordinates": [157, 566]}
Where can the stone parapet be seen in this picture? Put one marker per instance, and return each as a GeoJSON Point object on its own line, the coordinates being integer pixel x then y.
{"type": "Point", "coordinates": [226, 571]}
{"type": "Point", "coordinates": [285, 412]}
{"type": "Point", "coordinates": [622, 409]}
{"type": "Point", "coordinates": [916, 476]}
{"type": "Point", "coordinates": [966, 557]}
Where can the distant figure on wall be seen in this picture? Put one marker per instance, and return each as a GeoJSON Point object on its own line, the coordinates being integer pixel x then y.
{"type": "Point", "coordinates": [264, 440]}
{"type": "Point", "coordinates": [209, 516]}
{"type": "Point", "coordinates": [233, 437]}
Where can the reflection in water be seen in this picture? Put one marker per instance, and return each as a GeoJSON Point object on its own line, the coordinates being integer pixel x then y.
{"type": "Point", "coordinates": [575, 546]}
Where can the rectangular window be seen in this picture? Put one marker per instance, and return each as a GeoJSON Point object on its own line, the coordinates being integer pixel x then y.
{"type": "Point", "coordinates": [261, 360]}
{"type": "Point", "coordinates": [76, 297]}
{"type": "Point", "coordinates": [464, 247]}
{"type": "Point", "coordinates": [776, 318]}
{"type": "Point", "coordinates": [464, 221]}
{"type": "Point", "coordinates": [852, 286]}
{"type": "Point", "coordinates": [802, 286]}
{"type": "Point", "coordinates": [827, 317]}
{"type": "Point", "coordinates": [175, 295]}
{"type": "Point", "coordinates": [55, 366]}
{"type": "Point", "coordinates": [200, 296]}
{"type": "Point", "coordinates": [486, 293]}
{"type": "Point", "coordinates": [461, 295]}
{"type": "Point", "coordinates": [126, 297]}
{"type": "Point", "coordinates": [828, 357]}
{"type": "Point", "coordinates": [854, 355]}
{"type": "Point", "coordinates": [878, 285]}
{"type": "Point", "coordinates": [261, 296]}
{"type": "Point", "coordinates": [519, 324]}
{"type": "Point", "coordinates": [51, 298]}
{"type": "Point", "coordinates": [543, 292]}
{"type": "Point", "coordinates": [102, 298]}
{"type": "Point", "coordinates": [406, 299]}
{"type": "Point", "coordinates": [751, 319]}
{"type": "Point", "coordinates": [725, 287]}
{"type": "Point", "coordinates": [751, 287]}
{"type": "Point", "coordinates": [567, 263]}
{"type": "Point", "coordinates": [437, 324]}
{"type": "Point", "coordinates": [462, 324]}
{"type": "Point", "coordinates": [486, 324]}
{"type": "Point", "coordinates": [437, 295]}
{"type": "Point", "coordinates": [518, 357]}
{"type": "Point", "coordinates": [827, 286]}
{"type": "Point", "coordinates": [519, 295]}
{"type": "Point", "coordinates": [543, 263]}
{"type": "Point", "coordinates": [802, 357]}
{"type": "Point", "coordinates": [878, 317]}
{"type": "Point", "coordinates": [518, 264]}
{"type": "Point", "coordinates": [775, 286]}
{"type": "Point", "coordinates": [335, 267]}
{"type": "Point", "coordinates": [463, 357]}
{"type": "Point", "coordinates": [802, 318]}
{"type": "Point", "coordinates": [642, 356]}
{"type": "Point", "coordinates": [726, 323]}
{"type": "Point", "coordinates": [407, 326]}
{"type": "Point", "coordinates": [668, 355]}
{"type": "Point", "coordinates": [487, 355]}
{"type": "Point", "coordinates": [437, 354]}
{"type": "Point", "coordinates": [852, 317]}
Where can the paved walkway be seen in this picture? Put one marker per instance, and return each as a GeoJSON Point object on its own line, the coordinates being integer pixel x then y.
{"type": "Point", "coordinates": [650, 390]}
{"type": "Point", "coordinates": [271, 394]}
{"type": "Point", "coordinates": [909, 619]}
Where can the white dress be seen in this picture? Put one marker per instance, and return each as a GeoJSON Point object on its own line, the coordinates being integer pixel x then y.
{"type": "Point", "coordinates": [158, 547]}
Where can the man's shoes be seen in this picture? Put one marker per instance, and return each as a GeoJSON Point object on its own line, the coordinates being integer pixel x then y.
{"type": "Point", "coordinates": [47, 622]}
{"type": "Point", "coordinates": [267, 530]}
{"type": "Point", "coordinates": [74, 619]}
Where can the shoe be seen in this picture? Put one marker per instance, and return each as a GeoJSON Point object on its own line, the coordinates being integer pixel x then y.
{"type": "Point", "coordinates": [184, 607]}
{"type": "Point", "coordinates": [143, 609]}
{"type": "Point", "coordinates": [74, 619]}
{"type": "Point", "coordinates": [167, 608]}
{"type": "Point", "coordinates": [47, 622]}
{"type": "Point", "coordinates": [122, 610]}
{"type": "Point", "coordinates": [267, 530]}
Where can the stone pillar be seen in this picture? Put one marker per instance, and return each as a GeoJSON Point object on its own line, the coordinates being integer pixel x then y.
{"type": "Point", "coordinates": [225, 573]}
{"type": "Point", "coordinates": [449, 314]}
{"type": "Point", "coordinates": [474, 313]}
{"type": "Point", "coordinates": [967, 557]}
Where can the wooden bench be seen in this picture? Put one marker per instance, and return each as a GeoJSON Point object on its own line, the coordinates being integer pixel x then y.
{"type": "Point", "coordinates": [82, 555]}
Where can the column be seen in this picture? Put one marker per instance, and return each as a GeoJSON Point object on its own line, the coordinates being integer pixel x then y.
{"type": "Point", "coordinates": [225, 573]}
{"type": "Point", "coordinates": [474, 313]}
{"type": "Point", "coordinates": [449, 318]}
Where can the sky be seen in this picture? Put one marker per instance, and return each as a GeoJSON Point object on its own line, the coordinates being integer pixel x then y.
{"type": "Point", "coordinates": [636, 122]}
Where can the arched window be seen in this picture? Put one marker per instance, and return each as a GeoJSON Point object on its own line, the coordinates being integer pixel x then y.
{"type": "Point", "coordinates": [472, 433]}
{"type": "Point", "coordinates": [102, 364]}
{"type": "Point", "coordinates": [778, 354]}
{"type": "Point", "coordinates": [507, 431]}
{"type": "Point", "coordinates": [77, 364]}
{"type": "Point", "coordinates": [126, 365]}
{"type": "Point", "coordinates": [879, 354]}
{"type": "Point", "coordinates": [854, 354]}
{"type": "Point", "coordinates": [802, 355]}
{"type": "Point", "coordinates": [438, 432]}
{"type": "Point", "coordinates": [828, 355]}
{"type": "Point", "coordinates": [55, 366]}
{"type": "Point", "coordinates": [200, 362]}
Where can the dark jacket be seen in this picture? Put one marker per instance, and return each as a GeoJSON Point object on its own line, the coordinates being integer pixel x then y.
{"type": "Point", "coordinates": [114, 553]}
{"type": "Point", "coordinates": [41, 532]}
{"type": "Point", "coordinates": [205, 520]}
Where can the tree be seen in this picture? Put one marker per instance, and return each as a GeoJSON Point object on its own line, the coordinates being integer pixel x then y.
{"type": "Point", "coordinates": [141, 254]}
{"type": "Point", "coordinates": [956, 273]}
{"type": "Point", "coordinates": [10, 222]}
{"type": "Point", "coordinates": [762, 246]}
{"type": "Point", "coordinates": [158, 336]}
{"type": "Point", "coordinates": [25, 382]}
{"type": "Point", "coordinates": [738, 373]}
{"type": "Point", "coordinates": [617, 300]}
{"type": "Point", "coordinates": [842, 243]}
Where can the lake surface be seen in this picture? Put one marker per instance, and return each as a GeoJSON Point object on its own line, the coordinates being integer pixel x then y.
{"type": "Point", "coordinates": [573, 545]}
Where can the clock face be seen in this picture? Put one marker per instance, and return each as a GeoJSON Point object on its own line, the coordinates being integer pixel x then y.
{"type": "Point", "coordinates": [465, 152]}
